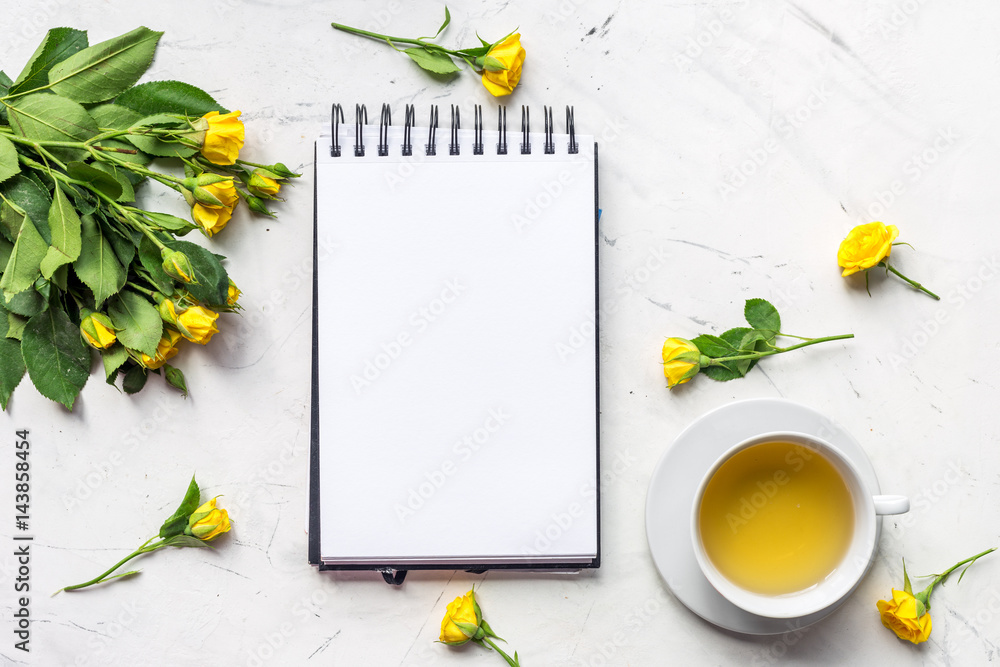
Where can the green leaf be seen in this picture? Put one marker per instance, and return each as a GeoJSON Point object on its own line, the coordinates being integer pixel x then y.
{"type": "Point", "coordinates": [113, 116]}
{"type": "Point", "coordinates": [713, 346]}
{"type": "Point", "coordinates": [64, 224]}
{"type": "Point", "coordinates": [432, 61]}
{"type": "Point", "coordinates": [175, 378]}
{"type": "Point", "coordinates": [447, 20]}
{"type": "Point", "coordinates": [11, 361]}
{"type": "Point", "coordinates": [137, 322]}
{"type": "Point", "coordinates": [5, 84]}
{"type": "Point", "coordinates": [113, 358]}
{"type": "Point", "coordinates": [177, 522]}
{"type": "Point", "coordinates": [6, 248]}
{"type": "Point", "coordinates": [152, 261]}
{"type": "Point", "coordinates": [212, 286]}
{"type": "Point", "coordinates": [32, 198]}
{"type": "Point", "coordinates": [15, 325]}
{"type": "Point", "coordinates": [170, 223]}
{"type": "Point", "coordinates": [98, 266]}
{"type": "Point", "coordinates": [120, 175]}
{"type": "Point", "coordinates": [168, 97]}
{"type": "Point", "coordinates": [762, 315]}
{"type": "Point", "coordinates": [721, 373]}
{"type": "Point", "coordinates": [123, 246]}
{"type": "Point", "coordinates": [155, 146]}
{"type": "Point", "coordinates": [735, 336]}
{"type": "Point", "coordinates": [187, 541]}
{"type": "Point", "coordinates": [27, 303]}
{"type": "Point", "coordinates": [8, 159]}
{"type": "Point", "coordinates": [104, 70]}
{"type": "Point", "coordinates": [47, 117]}
{"type": "Point", "coordinates": [23, 268]}
{"type": "Point", "coordinates": [97, 179]}
{"type": "Point", "coordinates": [59, 44]}
{"type": "Point", "coordinates": [135, 380]}
{"type": "Point", "coordinates": [58, 361]}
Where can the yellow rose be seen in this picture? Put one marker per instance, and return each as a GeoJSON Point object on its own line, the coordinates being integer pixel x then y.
{"type": "Point", "coordinates": [262, 183]}
{"type": "Point", "coordinates": [98, 331]}
{"type": "Point", "coordinates": [502, 66]}
{"type": "Point", "coordinates": [177, 265]}
{"type": "Point", "coordinates": [681, 361]}
{"type": "Point", "coordinates": [901, 615]}
{"type": "Point", "coordinates": [866, 246]}
{"type": "Point", "coordinates": [234, 294]}
{"type": "Point", "coordinates": [223, 138]}
{"type": "Point", "coordinates": [165, 349]}
{"type": "Point", "coordinates": [208, 522]}
{"type": "Point", "coordinates": [213, 219]}
{"type": "Point", "coordinates": [196, 323]}
{"type": "Point", "coordinates": [461, 620]}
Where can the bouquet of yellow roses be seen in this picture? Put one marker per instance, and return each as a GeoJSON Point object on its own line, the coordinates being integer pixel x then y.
{"type": "Point", "coordinates": [82, 266]}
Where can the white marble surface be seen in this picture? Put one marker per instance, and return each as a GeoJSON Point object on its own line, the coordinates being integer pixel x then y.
{"type": "Point", "coordinates": [739, 142]}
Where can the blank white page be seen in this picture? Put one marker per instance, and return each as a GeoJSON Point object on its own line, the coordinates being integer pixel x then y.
{"type": "Point", "coordinates": [457, 364]}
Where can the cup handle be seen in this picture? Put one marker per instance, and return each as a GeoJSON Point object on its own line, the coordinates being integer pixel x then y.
{"type": "Point", "coordinates": [891, 504]}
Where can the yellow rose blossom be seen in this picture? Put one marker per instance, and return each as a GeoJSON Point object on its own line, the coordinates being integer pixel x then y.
{"type": "Point", "coordinates": [223, 138]}
{"type": "Point", "coordinates": [98, 331]}
{"type": "Point", "coordinates": [197, 323]}
{"type": "Point", "coordinates": [213, 219]}
{"type": "Point", "coordinates": [460, 610]}
{"type": "Point", "coordinates": [502, 66]}
{"type": "Point", "coordinates": [262, 183]}
{"type": "Point", "coordinates": [208, 522]}
{"type": "Point", "coordinates": [681, 361]}
{"type": "Point", "coordinates": [900, 615]}
{"type": "Point", "coordinates": [865, 247]}
{"type": "Point", "coordinates": [165, 350]}
{"type": "Point", "coordinates": [233, 295]}
{"type": "Point", "coordinates": [906, 614]}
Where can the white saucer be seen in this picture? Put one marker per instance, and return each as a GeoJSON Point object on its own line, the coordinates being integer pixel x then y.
{"type": "Point", "coordinates": [675, 480]}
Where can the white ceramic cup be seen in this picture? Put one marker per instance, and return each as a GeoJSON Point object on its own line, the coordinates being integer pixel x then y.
{"type": "Point", "coordinates": [845, 576]}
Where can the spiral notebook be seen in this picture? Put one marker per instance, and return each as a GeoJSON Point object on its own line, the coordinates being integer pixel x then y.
{"type": "Point", "coordinates": [455, 368]}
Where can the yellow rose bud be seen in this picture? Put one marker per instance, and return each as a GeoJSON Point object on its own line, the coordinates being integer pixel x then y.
{"type": "Point", "coordinates": [211, 220]}
{"type": "Point", "coordinates": [165, 349]}
{"type": "Point", "coordinates": [681, 361]}
{"type": "Point", "coordinates": [234, 294]}
{"type": "Point", "coordinates": [208, 522]}
{"type": "Point", "coordinates": [866, 246]}
{"type": "Point", "coordinates": [902, 615]}
{"type": "Point", "coordinates": [177, 265]}
{"type": "Point", "coordinates": [501, 66]}
{"type": "Point", "coordinates": [462, 620]}
{"type": "Point", "coordinates": [197, 323]}
{"type": "Point", "coordinates": [263, 183]}
{"type": "Point", "coordinates": [98, 331]}
{"type": "Point", "coordinates": [223, 138]}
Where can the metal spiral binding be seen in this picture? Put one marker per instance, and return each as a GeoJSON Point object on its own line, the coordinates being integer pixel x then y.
{"type": "Point", "coordinates": [337, 117]}
{"type": "Point", "coordinates": [550, 145]}
{"type": "Point", "coordinates": [571, 131]}
{"type": "Point", "coordinates": [360, 120]}
{"type": "Point", "coordinates": [456, 121]}
{"type": "Point", "coordinates": [525, 129]}
{"type": "Point", "coordinates": [432, 131]}
{"type": "Point", "coordinates": [383, 130]}
{"type": "Point", "coordinates": [408, 123]}
{"type": "Point", "coordinates": [477, 142]}
{"type": "Point", "coordinates": [501, 130]}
